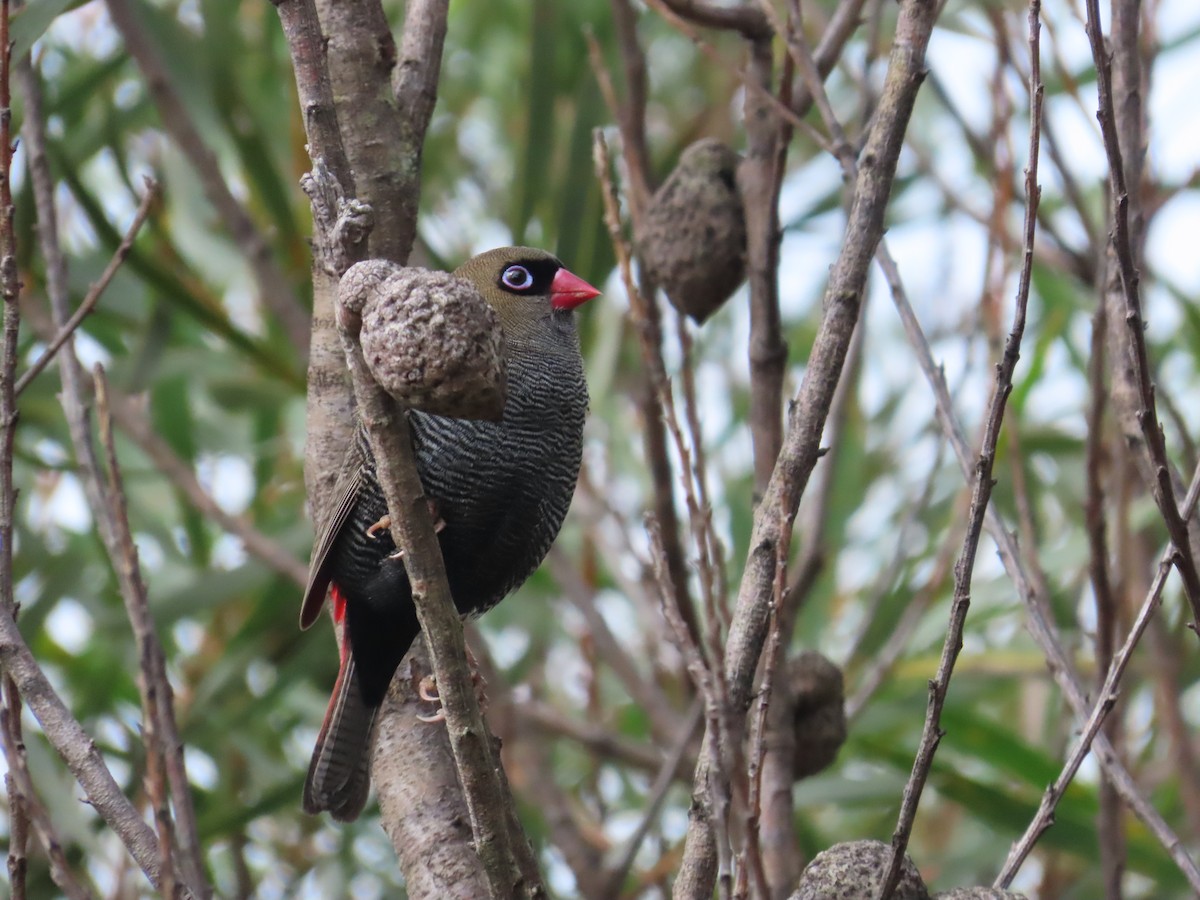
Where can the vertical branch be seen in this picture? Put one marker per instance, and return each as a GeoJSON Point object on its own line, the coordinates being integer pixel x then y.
{"type": "Point", "coordinates": [1123, 141]}
{"type": "Point", "coordinates": [330, 401]}
{"type": "Point", "coordinates": [10, 289]}
{"type": "Point", "coordinates": [62, 731]}
{"type": "Point", "coordinates": [646, 311]}
{"type": "Point", "coordinates": [807, 415]}
{"type": "Point", "coordinates": [1109, 828]}
{"type": "Point", "coordinates": [981, 492]}
{"type": "Point", "coordinates": [752, 852]}
{"type": "Point", "coordinates": [759, 178]}
{"type": "Point", "coordinates": [165, 773]}
{"type": "Point", "coordinates": [631, 114]}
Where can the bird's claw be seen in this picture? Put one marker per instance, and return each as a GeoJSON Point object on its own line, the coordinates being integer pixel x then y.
{"type": "Point", "coordinates": [427, 691]}
{"type": "Point", "coordinates": [385, 521]}
{"type": "Point", "coordinates": [438, 522]}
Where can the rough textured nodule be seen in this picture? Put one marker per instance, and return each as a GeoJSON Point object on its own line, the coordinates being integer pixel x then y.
{"type": "Point", "coordinates": [855, 871]}
{"type": "Point", "coordinates": [693, 239]}
{"type": "Point", "coordinates": [978, 893]}
{"type": "Point", "coordinates": [429, 338]}
{"type": "Point", "coordinates": [818, 712]}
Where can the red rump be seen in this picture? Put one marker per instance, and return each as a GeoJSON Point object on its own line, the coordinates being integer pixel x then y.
{"type": "Point", "coordinates": [339, 617]}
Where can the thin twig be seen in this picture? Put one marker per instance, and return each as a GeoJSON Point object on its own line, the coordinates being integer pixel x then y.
{"type": "Point", "coordinates": [1147, 415]}
{"type": "Point", "coordinates": [1041, 626]}
{"type": "Point", "coordinates": [931, 734]}
{"type": "Point", "coordinates": [807, 415]}
{"type": "Point", "coordinates": [33, 812]}
{"type": "Point", "coordinates": [667, 773]}
{"type": "Point", "coordinates": [1105, 700]}
{"type": "Point", "coordinates": [96, 290]}
{"type": "Point", "coordinates": [752, 853]}
{"type": "Point", "coordinates": [10, 289]}
{"type": "Point", "coordinates": [153, 684]}
{"type": "Point", "coordinates": [715, 789]}
{"type": "Point", "coordinates": [1110, 829]}
{"type": "Point", "coordinates": [61, 729]}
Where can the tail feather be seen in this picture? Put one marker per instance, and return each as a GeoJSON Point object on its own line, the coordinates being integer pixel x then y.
{"type": "Point", "coordinates": [339, 776]}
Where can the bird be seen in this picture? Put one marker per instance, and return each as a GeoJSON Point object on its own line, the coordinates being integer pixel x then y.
{"type": "Point", "coordinates": [693, 239]}
{"type": "Point", "coordinates": [499, 490]}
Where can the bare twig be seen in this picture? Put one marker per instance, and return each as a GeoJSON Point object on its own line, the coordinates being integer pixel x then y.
{"type": "Point", "coordinates": [659, 410]}
{"type": "Point", "coordinates": [1110, 830]}
{"type": "Point", "coordinates": [760, 177]}
{"type": "Point", "coordinates": [1105, 700]}
{"type": "Point", "coordinates": [32, 811]}
{"type": "Point", "coordinates": [1040, 624]}
{"type": "Point", "coordinates": [10, 289]}
{"type": "Point", "coordinates": [78, 751]}
{"type": "Point", "coordinates": [1122, 244]}
{"type": "Point", "coordinates": [667, 773]}
{"type": "Point", "coordinates": [981, 491]}
{"type": "Point", "coordinates": [715, 793]}
{"type": "Point", "coordinates": [62, 731]}
{"type": "Point", "coordinates": [96, 290]}
{"type": "Point", "coordinates": [166, 776]}
{"type": "Point", "coordinates": [631, 114]}
{"type": "Point", "coordinates": [807, 415]}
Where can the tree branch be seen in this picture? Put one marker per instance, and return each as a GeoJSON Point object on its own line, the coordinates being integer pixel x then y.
{"type": "Point", "coordinates": [806, 418]}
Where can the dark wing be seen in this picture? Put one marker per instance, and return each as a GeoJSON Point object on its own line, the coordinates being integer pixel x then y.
{"type": "Point", "coordinates": [346, 491]}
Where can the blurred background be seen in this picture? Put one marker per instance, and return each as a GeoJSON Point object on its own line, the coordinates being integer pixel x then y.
{"type": "Point", "coordinates": [218, 380]}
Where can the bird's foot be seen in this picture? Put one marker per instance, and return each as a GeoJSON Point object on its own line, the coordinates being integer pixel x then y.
{"type": "Point", "coordinates": [385, 522]}
{"type": "Point", "coordinates": [382, 525]}
{"type": "Point", "coordinates": [438, 522]}
{"type": "Point", "coordinates": [427, 690]}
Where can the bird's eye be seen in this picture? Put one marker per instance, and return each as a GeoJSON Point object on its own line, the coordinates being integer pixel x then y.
{"type": "Point", "coordinates": [517, 277]}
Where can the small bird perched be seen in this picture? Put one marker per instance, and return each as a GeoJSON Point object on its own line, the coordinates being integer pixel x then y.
{"type": "Point", "coordinates": [499, 490]}
{"type": "Point", "coordinates": [693, 239]}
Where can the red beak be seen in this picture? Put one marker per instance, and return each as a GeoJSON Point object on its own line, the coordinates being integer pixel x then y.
{"type": "Point", "coordinates": [568, 290]}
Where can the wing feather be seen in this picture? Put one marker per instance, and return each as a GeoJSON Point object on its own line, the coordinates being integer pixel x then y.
{"type": "Point", "coordinates": [346, 491]}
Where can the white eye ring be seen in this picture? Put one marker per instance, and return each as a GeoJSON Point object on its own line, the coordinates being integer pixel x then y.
{"type": "Point", "coordinates": [517, 277]}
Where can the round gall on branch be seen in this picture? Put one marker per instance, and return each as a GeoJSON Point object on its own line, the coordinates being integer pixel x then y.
{"type": "Point", "coordinates": [429, 338]}
{"type": "Point", "coordinates": [693, 242]}
{"type": "Point", "coordinates": [856, 869]}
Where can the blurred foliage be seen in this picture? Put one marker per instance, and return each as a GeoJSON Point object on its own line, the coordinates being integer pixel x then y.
{"type": "Point", "coordinates": [508, 159]}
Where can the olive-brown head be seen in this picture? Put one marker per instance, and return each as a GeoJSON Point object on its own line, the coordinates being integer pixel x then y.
{"type": "Point", "coordinates": [530, 290]}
